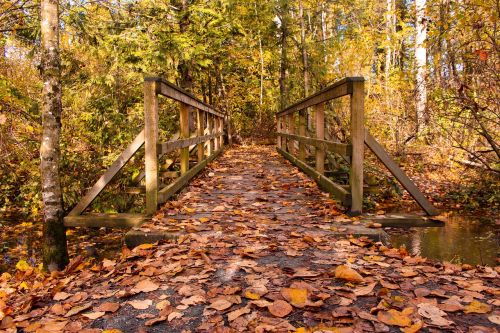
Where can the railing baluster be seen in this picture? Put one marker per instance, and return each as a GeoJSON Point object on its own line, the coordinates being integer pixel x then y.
{"type": "Point", "coordinates": [184, 134]}
{"type": "Point", "coordinates": [151, 138]}
{"type": "Point", "coordinates": [280, 129]}
{"type": "Point", "coordinates": [302, 132]}
{"type": "Point", "coordinates": [319, 113]}
{"type": "Point", "coordinates": [200, 128]}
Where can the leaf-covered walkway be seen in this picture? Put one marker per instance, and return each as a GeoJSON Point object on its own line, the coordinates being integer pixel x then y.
{"type": "Point", "coordinates": [258, 249]}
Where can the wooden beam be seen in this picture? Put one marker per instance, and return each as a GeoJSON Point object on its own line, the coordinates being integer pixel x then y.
{"type": "Point", "coordinates": [183, 180]}
{"type": "Point", "coordinates": [338, 89]}
{"type": "Point", "coordinates": [336, 147]}
{"type": "Point", "coordinates": [403, 179]}
{"type": "Point", "coordinates": [200, 123]}
{"type": "Point", "coordinates": [151, 138]}
{"type": "Point", "coordinates": [105, 220]}
{"type": "Point", "coordinates": [326, 184]}
{"type": "Point", "coordinates": [184, 134]}
{"type": "Point", "coordinates": [302, 133]}
{"type": "Point", "coordinates": [291, 130]}
{"type": "Point", "coordinates": [172, 91]}
{"type": "Point", "coordinates": [319, 113]}
{"type": "Point", "coordinates": [169, 146]}
{"type": "Point", "coordinates": [106, 178]}
{"type": "Point", "coordinates": [357, 141]}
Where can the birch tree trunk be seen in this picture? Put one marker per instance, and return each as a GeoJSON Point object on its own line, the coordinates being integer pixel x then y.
{"type": "Point", "coordinates": [390, 23]}
{"type": "Point", "coordinates": [54, 250]}
{"type": "Point", "coordinates": [284, 57]}
{"type": "Point", "coordinates": [421, 64]}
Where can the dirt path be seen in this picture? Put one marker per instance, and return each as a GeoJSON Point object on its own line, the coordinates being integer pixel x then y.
{"type": "Point", "coordinates": [261, 250]}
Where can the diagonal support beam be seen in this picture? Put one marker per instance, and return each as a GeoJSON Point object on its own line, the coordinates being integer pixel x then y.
{"type": "Point", "coordinates": [396, 171]}
{"type": "Point", "coordinates": [117, 165]}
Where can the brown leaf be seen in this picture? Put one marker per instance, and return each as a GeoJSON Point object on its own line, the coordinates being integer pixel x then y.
{"type": "Point", "coordinates": [280, 308]}
{"type": "Point", "coordinates": [346, 273]}
{"type": "Point", "coordinates": [145, 286]}
{"type": "Point", "coordinates": [141, 304]}
{"type": "Point", "coordinates": [78, 309]}
{"type": "Point", "coordinates": [94, 315]}
{"type": "Point", "coordinates": [220, 304]}
{"type": "Point", "coordinates": [108, 307]}
{"type": "Point", "coordinates": [433, 313]}
{"type": "Point", "coordinates": [365, 290]}
{"type": "Point", "coordinates": [237, 313]}
{"type": "Point", "coordinates": [61, 296]}
{"type": "Point", "coordinates": [174, 315]}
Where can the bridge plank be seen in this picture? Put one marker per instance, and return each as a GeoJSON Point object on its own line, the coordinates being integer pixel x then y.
{"type": "Point", "coordinates": [104, 180]}
{"type": "Point", "coordinates": [403, 179]}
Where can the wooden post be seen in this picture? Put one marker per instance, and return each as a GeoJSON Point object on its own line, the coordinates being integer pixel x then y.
{"type": "Point", "coordinates": [229, 130]}
{"type": "Point", "coordinates": [319, 113]}
{"type": "Point", "coordinates": [151, 138]}
{"type": "Point", "coordinates": [184, 134]}
{"type": "Point", "coordinates": [291, 130]}
{"type": "Point", "coordinates": [221, 129]}
{"type": "Point", "coordinates": [200, 128]}
{"type": "Point", "coordinates": [279, 126]}
{"type": "Point", "coordinates": [214, 131]}
{"type": "Point", "coordinates": [210, 132]}
{"type": "Point", "coordinates": [357, 141]}
{"type": "Point", "coordinates": [302, 132]}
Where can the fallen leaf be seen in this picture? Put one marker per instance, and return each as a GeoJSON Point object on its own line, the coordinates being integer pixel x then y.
{"type": "Point", "coordinates": [109, 307]}
{"type": "Point", "coordinates": [433, 313]}
{"type": "Point", "coordinates": [141, 304]}
{"type": "Point", "coordinates": [495, 319]}
{"type": "Point", "coordinates": [296, 297]}
{"type": "Point", "coordinates": [174, 315]}
{"type": "Point", "coordinates": [346, 273]}
{"type": "Point", "coordinates": [145, 286]}
{"type": "Point", "coordinates": [364, 290]}
{"type": "Point", "coordinates": [94, 315]}
{"type": "Point", "coordinates": [78, 309]}
{"type": "Point", "coordinates": [394, 317]}
{"type": "Point", "coordinates": [61, 296]}
{"type": "Point", "coordinates": [280, 308]}
{"type": "Point", "coordinates": [477, 307]}
{"type": "Point", "coordinates": [237, 313]}
{"type": "Point", "coordinates": [413, 328]}
{"type": "Point", "coordinates": [220, 304]}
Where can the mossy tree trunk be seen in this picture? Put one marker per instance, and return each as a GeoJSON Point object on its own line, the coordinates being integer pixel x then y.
{"type": "Point", "coordinates": [55, 254]}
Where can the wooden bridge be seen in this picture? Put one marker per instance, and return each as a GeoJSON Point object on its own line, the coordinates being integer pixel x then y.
{"type": "Point", "coordinates": [200, 140]}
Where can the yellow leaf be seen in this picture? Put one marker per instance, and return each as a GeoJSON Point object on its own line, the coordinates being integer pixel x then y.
{"type": "Point", "coordinates": [204, 219]}
{"type": "Point", "coordinates": [413, 328]}
{"type": "Point", "coordinates": [23, 286]}
{"type": "Point", "coordinates": [143, 247]}
{"type": "Point", "coordinates": [22, 266]}
{"type": "Point", "coordinates": [477, 307]}
{"type": "Point", "coordinates": [189, 210]}
{"type": "Point", "coordinates": [113, 330]}
{"type": "Point", "coordinates": [251, 295]}
{"type": "Point", "coordinates": [394, 317]}
{"type": "Point", "coordinates": [346, 273]}
{"type": "Point", "coordinates": [296, 297]}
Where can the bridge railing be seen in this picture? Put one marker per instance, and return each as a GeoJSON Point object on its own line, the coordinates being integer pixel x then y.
{"type": "Point", "coordinates": [354, 150]}
{"type": "Point", "coordinates": [207, 141]}
{"type": "Point", "coordinates": [212, 134]}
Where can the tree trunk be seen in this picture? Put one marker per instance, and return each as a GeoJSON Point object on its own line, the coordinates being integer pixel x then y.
{"type": "Point", "coordinates": [421, 64]}
{"type": "Point", "coordinates": [390, 24]}
{"type": "Point", "coordinates": [54, 250]}
{"type": "Point", "coordinates": [305, 66]}
{"type": "Point", "coordinates": [283, 58]}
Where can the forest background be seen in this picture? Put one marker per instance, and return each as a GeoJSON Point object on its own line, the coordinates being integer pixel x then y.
{"type": "Point", "coordinates": [432, 90]}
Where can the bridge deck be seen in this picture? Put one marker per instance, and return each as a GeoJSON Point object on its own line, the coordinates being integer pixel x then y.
{"type": "Point", "coordinates": [254, 190]}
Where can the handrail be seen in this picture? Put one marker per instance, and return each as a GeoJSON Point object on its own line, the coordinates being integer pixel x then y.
{"type": "Point", "coordinates": [170, 90]}
{"type": "Point", "coordinates": [338, 89]}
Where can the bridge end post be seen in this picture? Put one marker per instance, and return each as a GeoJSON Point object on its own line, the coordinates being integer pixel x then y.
{"type": "Point", "coordinates": [319, 113]}
{"type": "Point", "coordinates": [357, 142]}
{"type": "Point", "coordinates": [150, 144]}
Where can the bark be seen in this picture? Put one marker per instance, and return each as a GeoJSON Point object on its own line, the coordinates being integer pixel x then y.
{"type": "Point", "coordinates": [184, 67]}
{"type": "Point", "coordinates": [54, 249]}
{"type": "Point", "coordinates": [421, 64]}
{"type": "Point", "coordinates": [261, 93]}
{"type": "Point", "coordinates": [305, 66]}
{"type": "Point", "coordinates": [323, 34]}
{"type": "Point", "coordinates": [283, 57]}
{"type": "Point", "coordinates": [390, 23]}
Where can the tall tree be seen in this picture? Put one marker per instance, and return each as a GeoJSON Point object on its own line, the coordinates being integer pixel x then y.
{"type": "Point", "coordinates": [303, 46]}
{"type": "Point", "coordinates": [55, 254]}
{"type": "Point", "coordinates": [421, 63]}
{"type": "Point", "coordinates": [284, 26]}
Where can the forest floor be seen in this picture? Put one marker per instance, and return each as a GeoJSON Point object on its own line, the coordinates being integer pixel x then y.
{"type": "Point", "coordinates": [260, 250]}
